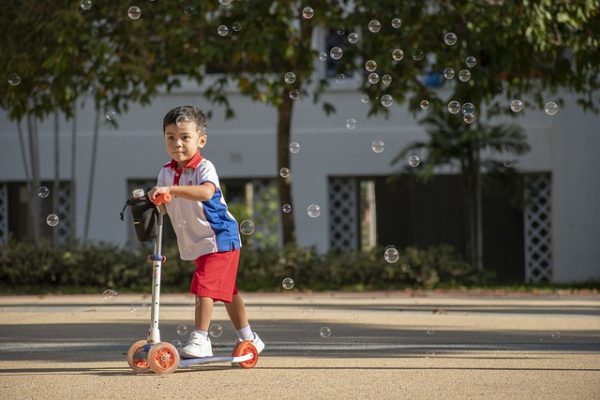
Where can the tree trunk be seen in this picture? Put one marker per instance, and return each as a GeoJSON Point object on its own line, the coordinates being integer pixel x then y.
{"type": "Point", "coordinates": [284, 120]}
{"type": "Point", "coordinates": [72, 192]}
{"type": "Point", "coordinates": [56, 185]}
{"type": "Point", "coordinates": [34, 200]}
{"type": "Point", "coordinates": [88, 207]}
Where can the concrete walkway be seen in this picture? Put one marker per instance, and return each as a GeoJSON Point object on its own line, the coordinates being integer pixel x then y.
{"type": "Point", "coordinates": [385, 345]}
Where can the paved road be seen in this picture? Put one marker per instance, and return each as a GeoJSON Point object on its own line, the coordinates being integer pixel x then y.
{"type": "Point", "coordinates": [382, 345]}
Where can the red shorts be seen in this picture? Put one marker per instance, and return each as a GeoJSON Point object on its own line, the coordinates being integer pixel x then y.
{"type": "Point", "coordinates": [215, 275]}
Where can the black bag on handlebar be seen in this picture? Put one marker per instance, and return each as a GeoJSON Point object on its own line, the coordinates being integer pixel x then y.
{"type": "Point", "coordinates": [145, 217]}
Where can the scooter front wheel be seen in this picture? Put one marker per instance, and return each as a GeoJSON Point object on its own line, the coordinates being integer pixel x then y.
{"type": "Point", "coordinates": [243, 348]}
{"type": "Point", "coordinates": [163, 358]}
{"type": "Point", "coordinates": [137, 357]}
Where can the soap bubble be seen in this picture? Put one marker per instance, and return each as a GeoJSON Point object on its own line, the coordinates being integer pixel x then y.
{"type": "Point", "coordinates": [516, 105]}
{"type": "Point", "coordinates": [414, 160]}
{"type": "Point", "coordinates": [386, 79]}
{"type": "Point", "coordinates": [370, 65]}
{"type": "Point", "coordinates": [308, 13]}
{"type": "Point", "coordinates": [14, 79]}
{"type": "Point", "coordinates": [236, 26]}
{"type": "Point", "coordinates": [470, 61]}
{"type": "Point", "coordinates": [396, 23]}
{"type": "Point", "coordinates": [424, 104]}
{"type": "Point", "coordinates": [551, 108]}
{"type": "Point", "coordinates": [509, 163]}
{"type": "Point", "coordinates": [182, 119]}
{"type": "Point", "coordinates": [284, 172]}
{"type": "Point", "coordinates": [223, 30]}
{"type": "Point", "coordinates": [134, 12]}
{"type": "Point", "coordinates": [289, 77]}
{"type": "Point", "coordinates": [374, 26]}
{"type": "Point", "coordinates": [325, 332]}
{"type": "Point", "coordinates": [43, 192]}
{"type": "Point", "coordinates": [189, 10]}
{"type": "Point", "coordinates": [109, 295]}
{"type": "Point", "coordinates": [294, 147]}
{"type": "Point", "coordinates": [85, 4]}
{"type": "Point", "coordinates": [340, 78]}
{"type": "Point", "coordinates": [52, 220]}
{"type": "Point", "coordinates": [287, 283]}
{"type": "Point", "coordinates": [294, 94]}
{"type": "Point", "coordinates": [286, 208]}
{"type": "Point", "coordinates": [378, 146]}
{"type": "Point", "coordinates": [313, 210]}
{"type": "Point", "coordinates": [556, 335]}
{"type": "Point", "coordinates": [247, 227]}
{"type": "Point", "coordinates": [373, 78]}
{"type": "Point", "coordinates": [405, 268]}
{"type": "Point", "coordinates": [353, 37]}
{"type": "Point", "coordinates": [448, 73]}
{"type": "Point", "coordinates": [341, 30]}
{"type": "Point", "coordinates": [397, 54]}
{"type": "Point", "coordinates": [365, 99]}
{"type": "Point", "coordinates": [450, 38]}
{"type": "Point", "coordinates": [323, 56]}
{"type": "Point", "coordinates": [351, 123]}
{"type": "Point", "coordinates": [464, 75]}
{"type": "Point", "coordinates": [182, 330]}
{"type": "Point", "coordinates": [454, 107]}
{"type": "Point", "coordinates": [177, 344]}
{"type": "Point", "coordinates": [391, 255]}
{"type": "Point", "coordinates": [336, 53]}
{"type": "Point", "coordinates": [468, 108]}
{"type": "Point", "coordinates": [111, 115]}
{"type": "Point", "coordinates": [430, 332]}
{"type": "Point", "coordinates": [418, 55]}
{"type": "Point", "coordinates": [469, 118]}
{"type": "Point", "coordinates": [225, 2]}
{"type": "Point", "coordinates": [215, 330]}
{"type": "Point", "coordinates": [387, 100]}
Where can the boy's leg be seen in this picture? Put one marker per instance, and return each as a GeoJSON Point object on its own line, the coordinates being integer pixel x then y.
{"type": "Point", "coordinates": [204, 309]}
{"type": "Point", "coordinates": [237, 312]}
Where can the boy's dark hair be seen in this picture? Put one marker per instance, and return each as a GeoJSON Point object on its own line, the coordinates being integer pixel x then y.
{"type": "Point", "coordinates": [186, 113]}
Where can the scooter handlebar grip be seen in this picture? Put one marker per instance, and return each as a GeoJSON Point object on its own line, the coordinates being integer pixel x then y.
{"type": "Point", "coordinates": [162, 198]}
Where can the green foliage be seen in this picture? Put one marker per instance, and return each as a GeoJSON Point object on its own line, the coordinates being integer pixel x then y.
{"type": "Point", "coordinates": [25, 267]}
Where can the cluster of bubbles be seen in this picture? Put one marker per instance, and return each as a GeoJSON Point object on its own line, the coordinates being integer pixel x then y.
{"type": "Point", "coordinates": [550, 108]}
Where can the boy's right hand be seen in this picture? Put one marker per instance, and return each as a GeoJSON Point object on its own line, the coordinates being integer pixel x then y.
{"type": "Point", "coordinates": [157, 192]}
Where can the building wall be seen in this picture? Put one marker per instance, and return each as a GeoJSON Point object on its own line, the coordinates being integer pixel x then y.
{"type": "Point", "coordinates": [566, 145]}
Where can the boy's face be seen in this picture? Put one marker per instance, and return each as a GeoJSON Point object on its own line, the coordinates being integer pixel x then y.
{"type": "Point", "coordinates": [183, 141]}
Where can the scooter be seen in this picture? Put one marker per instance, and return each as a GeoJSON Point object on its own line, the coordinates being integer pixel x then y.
{"type": "Point", "coordinates": [150, 354]}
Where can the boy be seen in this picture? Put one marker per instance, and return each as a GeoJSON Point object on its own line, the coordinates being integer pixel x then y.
{"type": "Point", "coordinates": [206, 231]}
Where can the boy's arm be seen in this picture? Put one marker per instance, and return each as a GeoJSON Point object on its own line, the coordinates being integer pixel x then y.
{"type": "Point", "coordinates": [203, 192]}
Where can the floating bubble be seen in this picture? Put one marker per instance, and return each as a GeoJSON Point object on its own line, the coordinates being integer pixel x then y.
{"type": "Point", "coordinates": [351, 123]}
{"type": "Point", "coordinates": [448, 73]}
{"type": "Point", "coordinates": [414, 160]}
{"type": "Point", "coordinates": [396, 23]}
{"type": "Point", "coordinates": [14, 79]}
{"type": "Point", "coordinates": [215, 330]}
{"type": "Point", "coordinates": [85, 4]}
{"type": "Point", "coordinates": [308, 13]}
{"type": "Point", "coordinates": [182, 330]}
{"type": "Point", "coordinates": [464, 75]}
{"type": "Point", "coordinates": [322, 56]}
{"type": "Point", "coordinates": [454, 107]}
{"type": "Point", "coordinates": [109, 295]}
{"type": "Point", "coordinates": [223, 30]}
{"type": "Point", "coordinates": [341, 30]}
{"type": "Point", "coordinates": [430, 332]}
{"type": "Point", "coordinates": [516, 105]}
{"type": "Point", "coordinates": [177, 344]}
{"type": "Point", "coordinates": [336, 53]}
{"type": "Point", "coordinates": [391, 255]}
{"type": "Point", "coordinates": [450, 38]}
{"type": "Point", "coordinates": [287, 283]}
{"type": "Point", "coordinates": [325, 332]}
{"type": "Point", "coordinates": [43, 192]}
{"type": "Point", "coordinates": [418, 55]}
{"type": "Point", "coordinates": [289, 77]}
{"type": "Point", "coordinates": [52, 220]}
{"type": "Point", "coordinates": [424, 104]}
{"type": "Point", "coordinates": [286, 208]}
{"type": "Point", "coordinates": [182, 119]}
{"type": "Point", "coordinates": [551, 108]}
{"type": "Point", "coordinates": [236, 26]}
{"type": "Point", "coordinates": [189, 10]}
{"type": "Point", "coordinates": [387, 100]}
{"type": "Point", "coordinates": [313, 210]}
{"type": "Point", "coordinates": [133, 308]}
{"type": "Point", "coordinates": [386, 79]}
{"type": "Point", "coordinates": [469, 118]}
{"type": "Point", "coordinates": [468, 108]}
{"type": "Point", "coordinates": [247, 227]}
{"type": "Point", "coordinates": [378, 146]}
{"type": "Point", "coordinates": [373, 78]}
{"type": "Point", "coordinates": [225, 2]}
{"type": "Point", "coordinates": [111, 115]}
{"type": "Point", "coordinates": [294, 147]}
{"type": "Point", "coordinates": [397, 54]}
{"type": "Point", "coordinates": [470, 62]}
{"type": "Point", "coordinates": [365, 99]}
{"type": "Point", "coordinates": [370, 65]}
{"type": "Point", "coordinates": [284, 172]}
{"type": "Point", "coordinates": [134, 12]}
{"type": "Point", "coordinates": [340, 78]}
{"type": "Point", "coordinates": [509, 163]}
{"type": "Point", "coordinates": [556, 335]}
{"type": "Point", "coordinates": [294, 94]}
{"type": "Point", "coordinates": [353, 38]}
{"type": "Point", "coordinates": [405, 268]}
{"type": "Point", "coordinates": [374, 26]}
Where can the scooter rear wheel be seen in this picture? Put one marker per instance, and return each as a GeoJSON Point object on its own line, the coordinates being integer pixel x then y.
{"type": "Point", "coordinates": [163, 358]}
{"type": "Point", "coordinates": [243, 348]}
{"type": "Point", "coordinates": [137, 357]}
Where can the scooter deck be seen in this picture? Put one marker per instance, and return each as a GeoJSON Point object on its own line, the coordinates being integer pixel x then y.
{"type": "Point", "coordinates": [185, 362]}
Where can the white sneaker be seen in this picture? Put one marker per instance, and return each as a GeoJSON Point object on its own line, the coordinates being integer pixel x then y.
{"type": "Point", "coordinates": [198, 346]}
{"type": "Point", "coordinates": [258, 344]}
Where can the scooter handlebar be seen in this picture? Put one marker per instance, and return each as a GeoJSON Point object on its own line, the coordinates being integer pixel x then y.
{"type": "Point", "coordinates": [162, 198]}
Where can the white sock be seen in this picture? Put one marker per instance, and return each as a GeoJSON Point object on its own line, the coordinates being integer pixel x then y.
{"type": "Point", "coordinates": [246, 333]}
{"type": "Point", "coordinates": [203, 333]}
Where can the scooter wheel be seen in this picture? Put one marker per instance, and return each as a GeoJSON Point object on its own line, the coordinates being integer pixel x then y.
{"type": "Point", "coordinates": [243, 348]}
{"type": "Point", "coordinates": [137, 357]}
{"type": "Point", "coordinates": [163, 358]}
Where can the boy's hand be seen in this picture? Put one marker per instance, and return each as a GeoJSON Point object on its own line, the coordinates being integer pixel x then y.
{"type": "Point", "coordinates": [157, 190]}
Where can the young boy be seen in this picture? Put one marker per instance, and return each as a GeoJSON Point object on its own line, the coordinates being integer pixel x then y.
{"type": "Point", "coordinates": [206, 231]}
